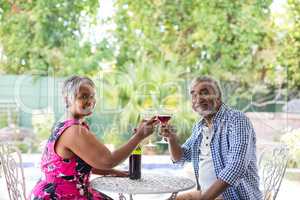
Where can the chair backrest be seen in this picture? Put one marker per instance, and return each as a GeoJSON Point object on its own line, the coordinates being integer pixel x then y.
{"type": "Point", "coordinates": [272, 166]}
{"type": "Point", "coordinates": [11, 162]}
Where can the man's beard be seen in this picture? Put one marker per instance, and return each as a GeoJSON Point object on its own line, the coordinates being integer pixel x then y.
{"type": "Point", "coordinates": [206, 112]}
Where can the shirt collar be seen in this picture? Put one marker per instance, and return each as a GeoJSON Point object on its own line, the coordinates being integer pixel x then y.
{"type": "Point", "coordinates": [218, 116]}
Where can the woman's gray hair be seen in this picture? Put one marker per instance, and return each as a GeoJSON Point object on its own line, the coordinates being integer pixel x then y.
{"type": "Point", "coordinates": [71, 87]}
{"type": "Point", "coordinates": [208, 79]}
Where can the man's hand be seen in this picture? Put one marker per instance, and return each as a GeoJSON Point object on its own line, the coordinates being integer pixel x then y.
{"type": "Point", "coordinates": [175, 149]}
{"type": "Point", "coordinates": [168, 132]}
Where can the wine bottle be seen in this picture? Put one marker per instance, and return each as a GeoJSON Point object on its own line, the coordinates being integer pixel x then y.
{"type": "Point", "coordinates": [135, 163]}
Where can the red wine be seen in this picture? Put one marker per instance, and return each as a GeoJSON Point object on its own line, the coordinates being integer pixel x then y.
{"type": "Point", "coordinates": [135, 164]}
{"type": "Point", "coordinates": [164, 118]}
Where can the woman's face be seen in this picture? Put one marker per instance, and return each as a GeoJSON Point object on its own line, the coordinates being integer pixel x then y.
{"type": "Point", "coordinates": [84, 101]}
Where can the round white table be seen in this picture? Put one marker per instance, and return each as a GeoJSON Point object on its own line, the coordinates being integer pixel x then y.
{"type": "Point", "coordinates": [148, 184]}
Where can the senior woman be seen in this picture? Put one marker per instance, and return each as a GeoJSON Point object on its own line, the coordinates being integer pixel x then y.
{"type": "Point", "coordinates": [73, 152]}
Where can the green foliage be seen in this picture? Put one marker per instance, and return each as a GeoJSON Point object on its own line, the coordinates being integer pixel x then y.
{"type": "Point", "coordinates": [196, 34]}
{"type": "Point", "coordinates": [28, 147]}
{"type": "Point", "coordinates": [234, 41]}
{"type": "Point", "coordinates": [130, 92]}
{"type": "Point", "coordinates": [4, 118]}
{"type": "Point", "coordinates": [155, 48]}
{"type": "Point", "coordinates": [41, 37]}
{"type": "Point", "coordinates": [114, 136]}
{"type": "Point", "coordinates": [42, 122]}
{"type": "Point", "coordinates": [292, 139]}
{"type": "Point", "coordinates": [290, 51]}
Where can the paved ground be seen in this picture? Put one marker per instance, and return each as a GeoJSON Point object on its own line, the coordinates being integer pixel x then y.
{"type": "Point", "coordinates": [289, 189]}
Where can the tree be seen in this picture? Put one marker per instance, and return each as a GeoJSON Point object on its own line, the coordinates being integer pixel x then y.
{"type": "Point", "coordinates": [290, 51]}
{"type": "Point", "coordinates": [233, 41]}
{"type": "Point", "coordinates": [165, 41]}
{"type": "Point", "coordinates": [156, 44]}
{"type": "Point", "coordinates": [127, 94]}
{"type": "Point", "coordinates": [42, 37]}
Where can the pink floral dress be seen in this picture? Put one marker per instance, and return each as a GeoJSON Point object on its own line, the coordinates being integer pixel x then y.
{"type": "Point", "coordinates": [64, 178]}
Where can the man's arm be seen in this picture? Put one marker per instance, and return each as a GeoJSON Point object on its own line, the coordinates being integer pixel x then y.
{"type": "Point", "coordinates": [179, 153]}
{"type": "Point", "coordinates": [217, 188]}
{"type": "Point", "coordinates": [174, 148]}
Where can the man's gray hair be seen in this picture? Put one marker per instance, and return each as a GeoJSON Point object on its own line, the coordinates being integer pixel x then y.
{"type": "Point", "coordinates": [208, 79]}
{"type": "Point", "coordinates": [71, 87]}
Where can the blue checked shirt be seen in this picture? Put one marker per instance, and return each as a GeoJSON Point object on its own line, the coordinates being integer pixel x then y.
{"type": "Point", "coordinates": [233, 149]}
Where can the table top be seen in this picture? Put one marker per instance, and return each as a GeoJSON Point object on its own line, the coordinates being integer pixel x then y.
{"type": "Point", "coordinates": [148, 184]}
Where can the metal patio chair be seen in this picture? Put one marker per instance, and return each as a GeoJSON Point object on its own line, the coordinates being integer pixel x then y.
{"type": "Point", "coordinates": [11, 163]}
{"type": "Point", "coordinates": [272, 165]}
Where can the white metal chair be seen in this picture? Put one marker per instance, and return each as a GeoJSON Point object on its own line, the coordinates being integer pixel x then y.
{"type": "Point", "coordinates": [272, 165]}
{"type": "Point", "coordinates": [11, 162]}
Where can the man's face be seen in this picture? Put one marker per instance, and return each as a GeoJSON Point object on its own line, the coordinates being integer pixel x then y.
{"type": "Point", "coordinates": [205, 99]}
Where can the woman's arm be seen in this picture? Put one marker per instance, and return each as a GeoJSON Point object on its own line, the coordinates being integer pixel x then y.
{"type": "Point", "coordinates": [110, 172]}
{"type": "Point", "coordinates": [85, 145]}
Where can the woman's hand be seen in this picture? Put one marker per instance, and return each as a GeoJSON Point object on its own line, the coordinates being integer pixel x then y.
{"type": "Point", "coordinates": [146, 128]}
{"type": "Point", "coordinates": [118, 173]}
{"type": "Point", "coordinates": [111, 172]}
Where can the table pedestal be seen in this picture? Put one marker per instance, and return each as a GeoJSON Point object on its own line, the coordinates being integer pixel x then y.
{"type": "Point", "coordinates": [122, 196]}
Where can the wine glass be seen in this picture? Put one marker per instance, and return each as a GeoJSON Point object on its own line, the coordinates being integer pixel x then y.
{"type": "Point", "coordinates": [147, 115]}
{"type": "Point", "coordinates": [164, 117]}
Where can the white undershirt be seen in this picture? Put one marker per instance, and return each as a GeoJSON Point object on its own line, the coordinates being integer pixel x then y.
{"type": "Point", "coordinates": [207, 174]}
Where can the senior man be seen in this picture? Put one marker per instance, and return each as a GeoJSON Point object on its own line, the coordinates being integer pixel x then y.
{"type": "Point", "coordinates": [222, 148]}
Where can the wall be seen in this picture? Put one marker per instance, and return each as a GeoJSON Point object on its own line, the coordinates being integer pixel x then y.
{"type": "Point", "coordinates": [270, 127]}
{"type": "Point", "coordinates": [29, 94]}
